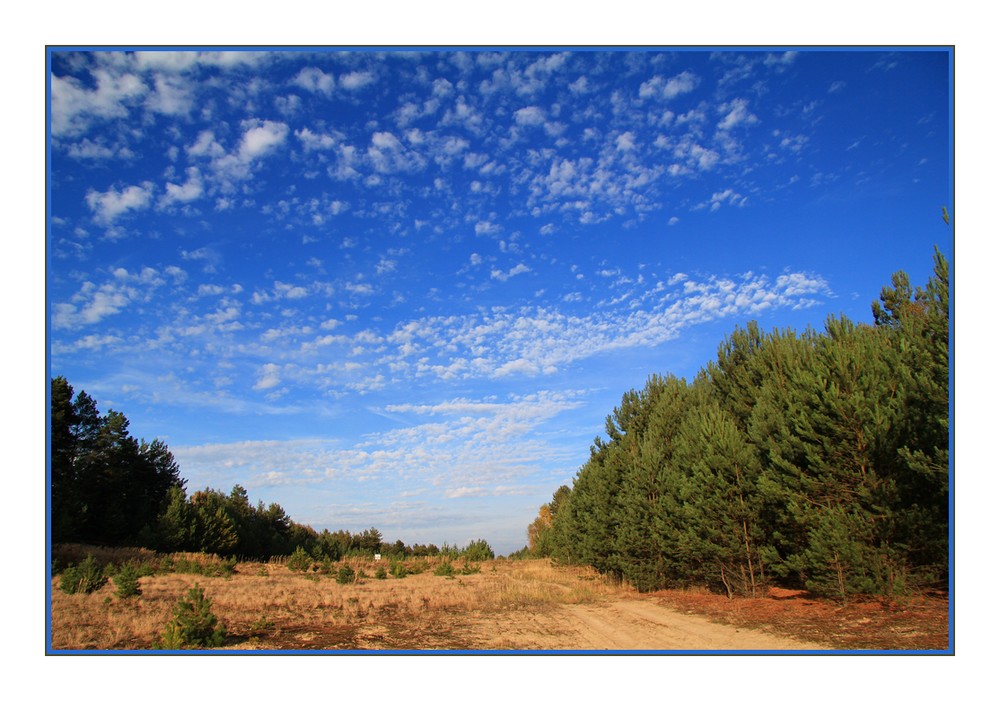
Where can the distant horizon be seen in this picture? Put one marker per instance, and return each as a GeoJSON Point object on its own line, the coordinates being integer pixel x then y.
{"type": "Point", "coordinates": [402, 290]}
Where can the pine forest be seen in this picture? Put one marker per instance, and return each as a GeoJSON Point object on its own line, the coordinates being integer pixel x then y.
{"type": "Point", "coordinates": [817, 460]}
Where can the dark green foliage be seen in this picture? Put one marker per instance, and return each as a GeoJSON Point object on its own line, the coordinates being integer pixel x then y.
{"type": "Point", "coordinates": [106, 486]}
{"type": "Point", "coordinates": [261, 626]}
{"type": "Point", "coordinates": [193, 624]}
{"type": "Point", "coordinates": [380, 572]}
{"type": "Point", "coordinates": [325, 566]}
{"type": "Point", "coordinates": [83, 578]}
{"type": "Point", "coordinates": [817, 460]}
{"type": "Point", "coordinates": [469, 568]}
{"type": "Point", "coordinates": [370, 541]}
{"type": "Point", "coordinates": [445, 569]}
{"type": "Point", "coordinates": [300, 560]}
{"type": "Point", "coordinates": [127, 581]}
{"type": "Point", "coordinates": [346, 575]}
{"type": "Point", "coordinates": [208, 567]}
{"type": "Point", "coordinates": [397, 569]}
{"type": "Point", "coordinates": [477, 551]}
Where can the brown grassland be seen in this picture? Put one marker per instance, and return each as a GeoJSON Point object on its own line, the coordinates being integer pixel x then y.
{"type": "Point", "coordinates": [506, 605]}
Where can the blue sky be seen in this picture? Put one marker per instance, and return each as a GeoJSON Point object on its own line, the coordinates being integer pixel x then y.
{"type": "Point", "coordinates": [403, 289]}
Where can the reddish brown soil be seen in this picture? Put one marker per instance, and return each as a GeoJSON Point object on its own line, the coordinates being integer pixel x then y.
{"type": "Point", "coordinates": [918, 622]}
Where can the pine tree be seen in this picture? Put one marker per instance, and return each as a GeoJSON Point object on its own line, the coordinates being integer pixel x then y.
{"type": "Point", "coordinates": [647, 499]}
{"type": "Point", "coordinates": [722, 503]}
{"type": "Point", "coordinates": [106, 487]}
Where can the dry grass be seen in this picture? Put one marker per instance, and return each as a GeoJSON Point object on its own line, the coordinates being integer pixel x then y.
{"type": "Point", "coordinates": [506, 605]}
{"type": "Point", "coordinates": [267, 606]}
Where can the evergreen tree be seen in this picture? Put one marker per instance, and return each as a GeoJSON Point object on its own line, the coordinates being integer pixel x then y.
{"type": "Point", "coordinates": [738, 373]}
{"type": "Point", "coordinates": [63, 478]}
{"type": "Point", "coordinates": [106, 487]}
{"type": "Point", "coordinates": [817, 459]}
{"type": "Point", "coordinates": [721, 511]}
{"type": "Point", "coordinates": [176, 529]}
{"type": "Point", "coordinates": [647, 499]}
{"type": "Point", "coordinates": [215, 530]}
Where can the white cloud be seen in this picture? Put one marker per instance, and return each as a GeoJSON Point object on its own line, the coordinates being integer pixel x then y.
{"type": "Point", "coordinates": [456, 448]}
{"type": "Point", "coordinates": [316, 142]}
{"type": "Point", "coordinates": [94, 303]}
{"type": "Point", "coordinates": [727, 196]}
{"type": "Point", "coordinates": [359, 288]}
{"type": "Point", "coordinates": [518, 269]}
{"type": "Point", "coordinates": [260, 138]}
{"type": "Point", "coordinates": [281, 290]}
{"type": "Point", "coordinates": [801, 284]}
{"type": "Point", "coordinates": [387, 155]}
{"type": "Point", "coordinates": [267, 377]}
{"type": "Point", "coordinates": [535, 340]}
{"type": "Point", "coordinates": [108, 206]}
{"type": "Point", "coordinates": [782, 59]}
{"type": "Point", "coordinates": [795, 144]}
{"type": "Point", "coordinates": [191, 190]}
{"type": "Point", "coordinates": [736, 113]}
{"type": "Point", "coordinates": [98, 150]}
{"type": "Point", "coordinates": [356, 80]}
{"type": "Point", "coordinates": [625, 142]}
{"type": "Point", "coordinates": [666, 89]}
{"type": "Point", "coordinates": [206, 145]}
{"type": "Point", "coordinates": [486, 228]}
{"type": "Point", "coordinates": [315, 80]}
{"type": "Point", "coordinates": [75, 108]}
{"type": "Point", "coordinates": [172, 95]}
{"type": "Point", "coordinates": [529, 116]}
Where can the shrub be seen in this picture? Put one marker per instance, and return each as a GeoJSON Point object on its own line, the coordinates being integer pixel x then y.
{"type": "Point", "coordinates": [345, 575]}
{"type": "Point", "coordinates": [143, 568]}
{"type": "Point", "coordinates": [83, 578]}
{"type": "Point", "coordinates": [445, 569]}
{"type": "Point", "coordinates": [380, 573]}
{"type": "Point", "coordinates": [185, 566]}
{"type": "Point", "coordinates": [127, 581]}
{"type": "Point", "coordinates": [226, 568]}
{"type": "Point", "coordinates": [478, 550]}
{"type": "Point", "coordinates": [261, 625]}
{"type": "Point", "coordinates": [300, 560]}
{"type": "Point", "coordinates": [468, 568]}
{"type": "Point", "coordinates": [398, 570]}
{"type": "Point", "coordinates": [193, 625]}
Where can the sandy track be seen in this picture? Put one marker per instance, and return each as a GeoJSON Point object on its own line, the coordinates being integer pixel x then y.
{"type": "Point", "coordinates": [621, 625]}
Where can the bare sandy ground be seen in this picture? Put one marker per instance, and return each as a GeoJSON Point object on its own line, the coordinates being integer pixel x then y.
{"type": "Point", "coordinates": [618, 625]}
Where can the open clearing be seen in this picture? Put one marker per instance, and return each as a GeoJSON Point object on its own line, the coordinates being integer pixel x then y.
{"type": "Point", "coordinates": [507, 605]}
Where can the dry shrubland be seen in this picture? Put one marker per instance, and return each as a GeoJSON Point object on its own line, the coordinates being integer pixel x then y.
{"type": "Point", "coordinates": [496, 605]}
{"type": "Point", "coordinates": [268, 606]}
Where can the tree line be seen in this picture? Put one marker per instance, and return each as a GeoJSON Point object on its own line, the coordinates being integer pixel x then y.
{"type": "Point", "coordinates": [816, 460]}
{"type": "Point", "coordinates": [108, 488]}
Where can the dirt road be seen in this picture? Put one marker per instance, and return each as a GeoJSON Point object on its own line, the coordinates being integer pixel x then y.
{"type": "Point", "coordinates": [620, 625]}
